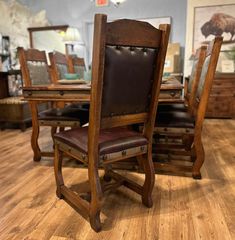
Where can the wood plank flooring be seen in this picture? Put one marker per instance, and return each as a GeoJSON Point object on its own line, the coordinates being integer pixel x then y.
{"type": "Point", "coordinates": [183, 208]}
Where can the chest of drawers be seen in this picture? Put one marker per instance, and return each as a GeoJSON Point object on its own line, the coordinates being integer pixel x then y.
{"type": "Point", "coordinates": [222, 97]}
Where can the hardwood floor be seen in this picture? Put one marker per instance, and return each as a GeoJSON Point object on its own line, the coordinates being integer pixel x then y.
{"type": "Point", "coordinates": [183, 208]}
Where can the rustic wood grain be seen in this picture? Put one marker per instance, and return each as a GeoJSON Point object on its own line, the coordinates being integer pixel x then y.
{"type": "Point", "coordinates": [183, 208]}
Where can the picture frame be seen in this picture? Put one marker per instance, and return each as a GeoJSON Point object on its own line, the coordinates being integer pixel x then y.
{"type": "Point", "coordinates": [15, 83]}
{"type": "Point", "coordinates": [190, 22]}
{"type": "Point", "coordinates": [0, 43]}
{"type": "Point", "coordinates": [210, 21]}
{"type": "Point", "coordinates": [5, 45]}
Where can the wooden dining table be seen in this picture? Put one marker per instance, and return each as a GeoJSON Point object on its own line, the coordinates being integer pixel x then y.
{"type": "Point", "coordinates": [170, 91]}
{"type": "Point", "coordinates": [80, 93]}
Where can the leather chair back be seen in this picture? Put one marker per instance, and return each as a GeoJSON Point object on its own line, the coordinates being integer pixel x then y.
{"type": "Point", "coordinates": [126, 71]}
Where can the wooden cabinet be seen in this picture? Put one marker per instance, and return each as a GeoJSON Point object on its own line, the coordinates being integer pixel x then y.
{"type": "Point", "coordinates": [3, 85]}
{"type": "Point", "coordinates": [13, 110]}
{"type": "Point", "coordinates": [222, 97]}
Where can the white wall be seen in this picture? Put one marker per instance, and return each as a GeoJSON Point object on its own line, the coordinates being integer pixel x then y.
{"type": "Point", "coordinates": [15, 19]}
{"type": "Point", "coordinates": [78, 12]}
{"type": "Point", "coordinates": [75, 12]}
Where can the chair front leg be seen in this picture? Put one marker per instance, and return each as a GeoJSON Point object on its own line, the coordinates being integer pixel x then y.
{"type": "Point", "coordinates": [34, 141]}
{"type": "Point", "coordinates": [148, 168]}
{"type": "Point", "coordinates": [35, 132]}
{"type": "Point", "coordinates": [53, 132]}
{"type": "Point", "coordinates": [58, 171]}
{"type": "Point", "coordinates": [200, 157]}
{"type": "Point", "coordinates": [96, 194]}
{"type": "Point", "coordinates": [61, 129]}
{"type": "Point", "coordinates": [107, 168]}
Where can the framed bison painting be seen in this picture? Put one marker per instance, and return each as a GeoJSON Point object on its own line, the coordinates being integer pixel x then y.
{"type": "Point", "coordinates": [211, 21]}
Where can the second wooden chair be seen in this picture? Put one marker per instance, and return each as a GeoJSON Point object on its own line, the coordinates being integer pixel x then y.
{"type": "Point", "coordinates": [190, 87]}
{"type": "Point", "coordinates": [35, 72]}
{"type": "Point", "coordinates": [178, 135]}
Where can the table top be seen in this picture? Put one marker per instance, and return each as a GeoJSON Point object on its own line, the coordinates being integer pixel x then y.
{"type": "Point", "coordinates": [58, 92]}
{"type": "Point", "coordinates": [171, 84]}
{"type": "Point", "coordinates": [75, 92]}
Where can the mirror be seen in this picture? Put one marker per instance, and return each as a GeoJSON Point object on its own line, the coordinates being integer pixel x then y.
{"type": "Point", "coordinates": [48, 38]}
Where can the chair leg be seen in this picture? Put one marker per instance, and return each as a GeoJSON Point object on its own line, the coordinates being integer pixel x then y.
{"type": "Point", "coordinates": [34, 142]}
{"type": "Point", "coordinates": [148, 168]}
{"type": "Point", "coordinates": [23, 126]}
{"type": "Point", "coordinates": [53, 132]}
{"type": "Point", "coordinates": [106, 176]}
{"type": "Point", "coordinates": [95, 220]}
{"type": "Point", "coordinates": [200, 156]}
{"type": "Point", "coordinates": [58, 171]}
{"type": "Point", "coordinates": [61, 129]}
{"type": "Point", "coordinates": [96, 195]}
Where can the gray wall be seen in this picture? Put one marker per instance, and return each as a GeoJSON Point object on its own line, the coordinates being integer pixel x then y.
{"type": "Point", "coordinates": [72, 12]}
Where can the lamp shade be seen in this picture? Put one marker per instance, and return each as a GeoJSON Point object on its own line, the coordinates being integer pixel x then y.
{"type": "Point", "coordinates": [72, 35]}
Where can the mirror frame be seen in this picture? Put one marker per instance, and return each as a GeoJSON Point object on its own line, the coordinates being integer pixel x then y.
{"type": "Point", "coordinates": [31, 30]}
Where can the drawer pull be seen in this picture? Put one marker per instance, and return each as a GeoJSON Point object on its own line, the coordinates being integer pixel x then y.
{"type": "Point", "coordinates": [61, 93]}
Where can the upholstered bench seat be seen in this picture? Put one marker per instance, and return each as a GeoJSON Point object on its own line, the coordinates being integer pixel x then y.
{"type": "Point", "coordinates": [12, 100]}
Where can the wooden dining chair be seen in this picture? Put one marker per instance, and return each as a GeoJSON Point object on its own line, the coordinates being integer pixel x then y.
{"type": "Point", "coordinates": [190, 86]}
{"type": "Point", "coordinates": [35, 71]}
{"type": "Point", "coordinates": [77, 65]}
{"type": "Point", "coordinates": [59, 65]}
{"type": "Point", "coordinates": [178, 135]}
{"type": "Point", "coordinates": [127, 69]}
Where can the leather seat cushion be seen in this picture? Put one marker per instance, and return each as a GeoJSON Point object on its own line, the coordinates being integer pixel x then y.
{"type": "Point", "coordinates": [65, 114]}
{"type": "Point", "coordinates": [172, 107]}
{"type": "Point", "coordinates": [175, 119]}
{"type": "Point", "coordinates": [110, 140]}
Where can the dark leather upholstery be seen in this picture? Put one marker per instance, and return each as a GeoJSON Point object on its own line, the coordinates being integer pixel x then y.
{"type": "Point", "coordinates": [65, 114]}
{"type": "Point", "coordinates": [132, 65]}
{"type": "Point", "coordinates": [175, 119]}
{"type": "Point", "coordinates": [110, 140]}
{"type": "Point", "coordinates": [171, 107]}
